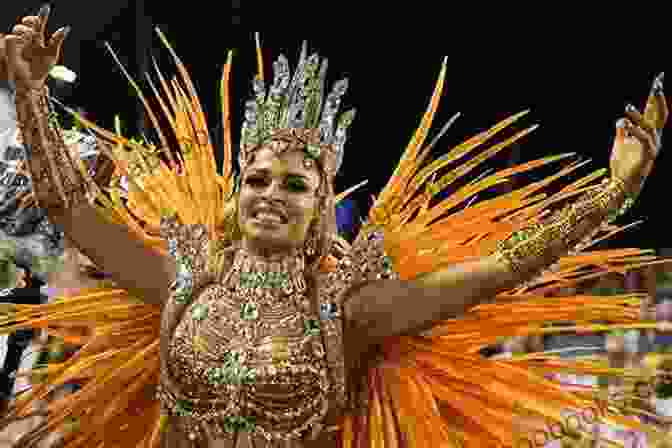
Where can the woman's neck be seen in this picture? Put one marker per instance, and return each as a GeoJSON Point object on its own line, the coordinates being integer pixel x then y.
{"type": "Point", "coordinates": [267, 251]}
{"type": "Point", "coordinates": [292, 260]}
{"type": "Point", "coordinates": [281, 271]}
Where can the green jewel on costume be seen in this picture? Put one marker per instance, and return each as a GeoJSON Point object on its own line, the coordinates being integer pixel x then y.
{"type": "Point", "coordinates": [184, 408]}
{"type": "Point", "coordinates": [54, 120]}
{"type": "Point", "coordinates": [627, 205]}
{"type": "Point", "coordinates": [264, 279]}
{"type": "Point", "coordinates": [277, 279]}
{"type": "Point", "coordinates": [231, 372]}
{"type": "Point", "coordinates": [520, 236]}
{"type": "Point", "coordinates": [249, 311]}
{"type": "Point", "coordinates": [200, 312]}
{"type": "Point", "coordinates": [388, 265]}
{"type": "Point", "coordinates": [312, 327]}
{"type": "Point", "coordinates": [237, 423]}
{"type": "Point", "coordinates": [184, 282]}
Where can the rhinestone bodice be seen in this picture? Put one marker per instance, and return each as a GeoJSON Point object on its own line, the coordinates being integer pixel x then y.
{"type": "Point", "coordinates": [248, 353]}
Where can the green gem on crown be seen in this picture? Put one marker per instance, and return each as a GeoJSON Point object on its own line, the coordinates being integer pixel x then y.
{"type": "Point", "coordinates": [313, 150]}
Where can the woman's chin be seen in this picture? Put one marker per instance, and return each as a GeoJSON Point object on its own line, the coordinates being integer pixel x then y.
{"type": "Point", "coordinates": [266, 231]}
{"type": "Point", "coordinates": [268, 239]}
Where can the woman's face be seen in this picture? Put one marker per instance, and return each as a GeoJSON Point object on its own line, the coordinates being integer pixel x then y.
{"type": "Point", "coordinates": [278, 201]}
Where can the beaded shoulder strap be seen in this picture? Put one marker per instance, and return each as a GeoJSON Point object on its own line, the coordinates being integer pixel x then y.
{"type": "Point", "coordinates": [189, 245]}
{"type": "Point", "coordinates": [365, 262]}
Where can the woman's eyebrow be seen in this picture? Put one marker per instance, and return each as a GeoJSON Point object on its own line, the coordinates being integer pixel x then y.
{"type": "Point", "coordinates": [264, 171]}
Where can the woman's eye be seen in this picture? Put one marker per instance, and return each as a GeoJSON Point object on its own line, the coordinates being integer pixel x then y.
{"type": "Point", "coordinates": [296, 185]}
{"type": "Point", "coordinates": [256, 182]}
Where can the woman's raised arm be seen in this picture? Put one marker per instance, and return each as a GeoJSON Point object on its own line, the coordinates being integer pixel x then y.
{"type": "Point", "coordinates": [59, 185]}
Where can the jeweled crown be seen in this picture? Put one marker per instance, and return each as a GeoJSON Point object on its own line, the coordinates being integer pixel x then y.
{"type": "Point", "coordinates": [295, 106]}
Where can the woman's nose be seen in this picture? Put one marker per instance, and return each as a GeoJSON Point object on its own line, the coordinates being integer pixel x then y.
{"type": "Point", "coordinates": [274, 191]}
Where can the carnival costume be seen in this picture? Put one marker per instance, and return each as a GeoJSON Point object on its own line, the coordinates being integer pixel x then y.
{"type": "Point", "coordinates": [250, 351]}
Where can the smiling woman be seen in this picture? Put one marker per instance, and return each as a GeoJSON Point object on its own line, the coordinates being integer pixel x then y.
{"type": "Point", "coordinates": [278, 201]}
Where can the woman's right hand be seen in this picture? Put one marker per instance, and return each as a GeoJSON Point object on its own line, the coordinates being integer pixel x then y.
{"type": "Point", "coordinates": [30, 56]}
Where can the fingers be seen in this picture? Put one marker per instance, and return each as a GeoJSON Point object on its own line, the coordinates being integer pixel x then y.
{"type": "Point", "coordinates": [657, 111]}
{"type": "Point", "coordinates": [636, 117]}
{"type": "Point", "coordinates": [34, 27]}
{"type": "Point", "coordinates": [642, 129]}
{"type": "Point", "coordinates": [12, 45]}
{"type": "Point", "coordinates": [33, 22]}
{"type": "Point", "coordinates": [23, 31]}
{"type": "Point", "coordinates": [56, 41]}
{"type": "Point", "coordinates": [43, 16]}
{"type": "Point", "coordinates": [620, 130]}
{"type": "Point", "coordinates": [646, 138]}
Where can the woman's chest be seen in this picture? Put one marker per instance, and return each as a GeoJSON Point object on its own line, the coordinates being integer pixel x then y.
{"type": "Point", "coordinates": [233, 336]}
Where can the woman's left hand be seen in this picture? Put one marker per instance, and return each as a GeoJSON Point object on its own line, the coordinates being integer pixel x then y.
{"type": "Point", "coordinates": [639, 140]}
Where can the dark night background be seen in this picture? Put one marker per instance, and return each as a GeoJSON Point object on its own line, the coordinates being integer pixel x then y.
{"type": "Point", "coordinates": [576, 90]}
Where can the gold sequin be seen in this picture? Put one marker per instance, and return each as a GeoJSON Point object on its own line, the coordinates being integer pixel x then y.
{"type": "Point", "coordinates": [200, 344]}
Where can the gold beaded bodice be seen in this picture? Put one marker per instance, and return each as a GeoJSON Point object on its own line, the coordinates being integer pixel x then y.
{"type": "Point", "coordinates": [255, 341]}
{"type": "Point", "coordinates": [258, 349]}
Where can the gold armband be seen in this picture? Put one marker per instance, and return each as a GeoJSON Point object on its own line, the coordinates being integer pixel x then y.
{"type": "Point", "coordinates": [59, 180]}
{"type": "Point", "coordinates": [535, 247]}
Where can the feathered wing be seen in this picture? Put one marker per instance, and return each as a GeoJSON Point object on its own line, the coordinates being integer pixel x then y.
{"type": "Point", "coordinates": [436, 389]}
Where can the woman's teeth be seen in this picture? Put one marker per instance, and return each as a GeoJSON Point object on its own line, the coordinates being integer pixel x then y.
{"type": "Point", "coordinates": [271, 217]}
